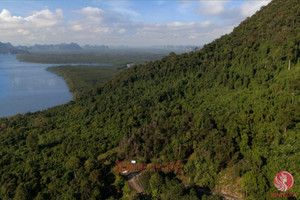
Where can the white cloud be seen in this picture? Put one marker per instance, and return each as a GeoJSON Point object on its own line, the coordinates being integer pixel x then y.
{"type": "Point", "coordinates": [94, 25]}
{"type": "Point", "coordinates": [123, 8]}
{"type": "Point", "coordinates": [5, 16]}
{"type": "Point", "coordinates": [111, 26]}
{"type": "Point", "coordinates": [102, 30]}
{"type": "Point", "coordinates": [122, 30]}
{"type": "Point", "coordinates": [45, 18]}
{"type": "Point", "coordinates": [228, 13]}
{"type": "Point", "coordinates": [249, 8]}
{"type": "Point", "coordinates": [31, 27]}
{"type": "Point", "coordinates": [92, 21]}
{"type": "Point", "coordinates": [77, 27]}
{"type": "Point", "coordinates": [127, 12]}
{"type": "Point", "coordinates": [212, 7]}
{"type": "Point", "coordinates": [90, 11]}
{"type": "Point", "coordinates": [23, 32]}
{"type": "Point", "coordinates": [176, 33]}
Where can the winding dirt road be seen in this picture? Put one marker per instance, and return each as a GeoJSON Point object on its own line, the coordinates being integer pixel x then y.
{"type": "Point", "coordinates": [134, 183]}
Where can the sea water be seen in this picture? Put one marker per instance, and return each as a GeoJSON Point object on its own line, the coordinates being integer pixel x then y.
{"type": "Point", "coordinates": [28, 87]}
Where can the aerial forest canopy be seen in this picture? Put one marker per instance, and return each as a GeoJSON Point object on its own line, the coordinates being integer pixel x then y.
{"type": "Point", "coordinates": [230, 110]}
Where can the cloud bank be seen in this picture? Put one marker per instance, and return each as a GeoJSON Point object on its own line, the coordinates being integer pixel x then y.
{"type": "Point", "coordinates": [94, 25]}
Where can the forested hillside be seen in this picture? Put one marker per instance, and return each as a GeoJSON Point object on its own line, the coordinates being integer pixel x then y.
{"type": "Point", "coordinates": [230, 110]}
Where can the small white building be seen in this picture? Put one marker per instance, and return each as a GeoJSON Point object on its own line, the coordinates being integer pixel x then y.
{"type": "Point", "coordinates": [129, 65]}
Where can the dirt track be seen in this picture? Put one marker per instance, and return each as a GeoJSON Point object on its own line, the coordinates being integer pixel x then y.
{"type": "Point", "coordinates": [134, 183]}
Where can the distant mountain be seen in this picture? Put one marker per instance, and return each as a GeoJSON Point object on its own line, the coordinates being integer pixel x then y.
{"type": "Point", "coordinates": [7, 48]}
{"type": "Point", "coordinates": [71, 46]}
{"type": "Point", "coordinates": [95, 47]}
{"type": "Point", "coordinates": [181, 48]}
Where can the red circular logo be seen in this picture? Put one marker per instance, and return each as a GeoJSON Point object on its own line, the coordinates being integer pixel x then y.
{"type": "Point", "coordinates": [284, 181]}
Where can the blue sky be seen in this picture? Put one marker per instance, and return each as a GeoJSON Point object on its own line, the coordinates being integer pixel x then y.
{"type": "Point", "coordinates": [121, 22]}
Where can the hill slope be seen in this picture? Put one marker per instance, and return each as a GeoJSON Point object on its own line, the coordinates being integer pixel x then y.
{"type": "Point", "coordinates": [234, 105]}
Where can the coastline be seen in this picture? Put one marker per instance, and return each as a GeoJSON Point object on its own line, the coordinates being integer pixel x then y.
{"type": "Point", "coordinates": [83, 78]}
{"type": "Point", "coordinates": [65, 77]}
{"type": "Point", "coordinates": [54, 66]}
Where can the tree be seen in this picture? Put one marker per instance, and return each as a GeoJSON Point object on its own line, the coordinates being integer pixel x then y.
{"type": "Point", "coordinates": [156, 181]}
{"type": "Point", "coordinates": [21, 193]}
{"type": "Point", "coordinates": [32, 141]}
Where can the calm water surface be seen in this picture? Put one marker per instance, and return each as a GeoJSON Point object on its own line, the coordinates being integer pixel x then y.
{"type": "Point", "coordinates": [28, 87]}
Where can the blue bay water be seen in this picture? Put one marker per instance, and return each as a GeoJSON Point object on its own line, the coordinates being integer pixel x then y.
{"type": "Point", "coordinates": [28, 87]}
{"type": "Point", "coordinates": [3, 83]}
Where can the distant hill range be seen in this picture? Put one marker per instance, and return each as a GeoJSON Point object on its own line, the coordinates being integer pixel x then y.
{"type": "Point", "coordinates": [7, 48]}
{"type": "Point", "coordinates": [95, 47]}
{"type": "Point", "coordinates": [182, 48]}
{"type": "Point", "coordinates": [49, 47]}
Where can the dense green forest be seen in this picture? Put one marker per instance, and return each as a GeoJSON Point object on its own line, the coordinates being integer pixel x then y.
{"type": "Point", "coordinates": [83, 79]}
{"type": "Point", "coordinates": [231, 111]}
